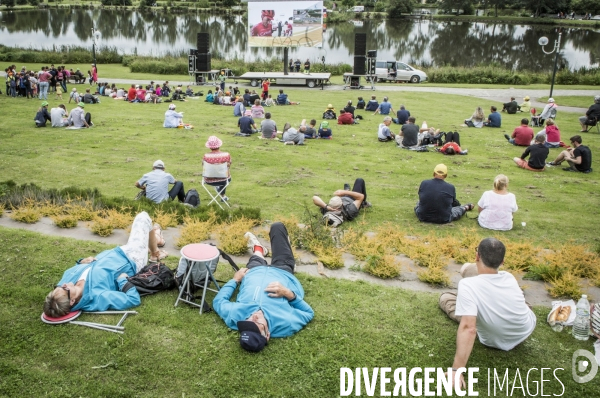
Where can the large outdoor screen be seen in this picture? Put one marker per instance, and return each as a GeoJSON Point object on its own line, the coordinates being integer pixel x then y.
{"type": "Point", "coordinates": [285, 23]}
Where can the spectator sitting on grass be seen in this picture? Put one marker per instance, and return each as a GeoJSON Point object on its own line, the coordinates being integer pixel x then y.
{"type": "Point", "coordinates": [496, 207]}
{"type": "Point", "coordinates": [246, 124]}
{"type": "Point", "coordinates": [510, 107]}
{"type": "Point", "coordinates": [372, 105]}
{"type": "Point", "coordinates": [88, 98]}
{"type": "Point", "coordinates": [268, 127]}
{"type": "Point", "coordinates": [489, 304]}
{"type": "Point", "coordinates": [238, 109]}
{"type": "Point", "coordinates": [258, 112]}
{"type": "Point", "coordinates": [592, 115]}
{"type": "Point", "coordinates": [131, 94]}
{"type": "Point", "coordinates": [209, 97]}
{"type": "Point", "coordinates": [409, 134]}
{"type": "Point", "coordinates": [437, 199]}
{"type": "Point", "coordinates": [42, 116]}
{"type": "Point", "coordinates": [79, 119]}
{"type": "Point", "coordinates": [309, 131]}
{"type": "Point", "coordinates": [526, 105]}
{"type": "Point", "coordinates": [329, 113]}
{"type": "Point", "coordinates": [325, 131]}
{"type": "Point", "coordinates": [537, 155]}
{"type": "Point", "coordinates": [60, 117]}
{"type": "Point", "coordinates": [173, 119]}
{"type": "Point", "coordinates": [350, 109]}
{"type": "Point", "coordinates": [522, 135]}
{"type": "Point", "coordinates": [282, 99]}
{"type": "Point", "coordinates": [74, 96]}
{"type": "Point", "coordinates": [476, 119]}
{"type": "Point", "coordinates": [270, 301]}
{"type": "Point", "coordinates": [100, 283]}
{"type": "Point", "coordinates": [579, 157]}
{"type": "Point", "coordinates": [345, 118]}
{"type": "Point", "coordinates": [402, 115]}
{"type": "Point", "coordinates": [384, 108]}
{"type": "Point", "coordinates": [156, 184]}
{"type": "Point", "coordinates": [552, 134]}
{"type": "Point", "coordinates": [494, 118]}
{"type": "Point", "coordinates": [384, 134]}
{"type": "Point", "coordinates": [360, 104]}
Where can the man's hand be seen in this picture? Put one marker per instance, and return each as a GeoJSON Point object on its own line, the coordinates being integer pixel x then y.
{"type": "Point", "coordinates": [239, 274]}
{"type": "Point", "coordinates": [276, 290]}
{"type": "Point", "coordinates": [339, 192]}
{"type": "Point", "coordinates": [87, 260]}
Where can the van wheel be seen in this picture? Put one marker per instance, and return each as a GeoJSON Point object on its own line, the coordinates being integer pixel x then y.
{"type": "Point", "coordinates": [310, 83]}
{"type": "Point", "coordinates": [381, 80]}
{"type": "Point", "coordinates": [254, 83]}
{"type": "Point", "coordinates": [415, 79]}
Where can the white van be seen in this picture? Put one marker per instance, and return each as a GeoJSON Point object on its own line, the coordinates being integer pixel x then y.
{"type": "Point", "coordinates": [356, 9]}
{"type": "Point", "coordinates": [398, 71]}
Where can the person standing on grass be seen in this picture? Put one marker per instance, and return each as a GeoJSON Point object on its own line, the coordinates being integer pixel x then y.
{"type": "Point", "coordinates": [489, 305]}
{"type": "Point", "coordinates": [94, 74]}
{"type": "Point", "coordinates": [579, 157]}
{"type": "Point", "coordinates": [156, 184]}
{"type": "Point", "coordinates": [265, 89]}
{"type": "Point", "coordinates": [270, 300]}
{"type": "Point", "coordinates": [44, 79]}
{"type": "Point", "coordinates": [522, 135]}
{"type": "Point", "coordinates": [537, 153]}
{"type": "Point", "coordinates": [494, 118]}
{"type": "Point", "coordinates": [100, 283]}
{"type": "Point", "coordinates": [437, 199]}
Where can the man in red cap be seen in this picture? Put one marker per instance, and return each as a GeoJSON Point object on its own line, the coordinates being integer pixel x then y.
{"type": "Point", "coordinates": [265, 28]}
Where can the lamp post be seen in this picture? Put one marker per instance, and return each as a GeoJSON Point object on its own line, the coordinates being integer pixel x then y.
{"type": "Point", "coordinates": [542, 42]}
{"type": "Point", "coordinates": [95, 37]}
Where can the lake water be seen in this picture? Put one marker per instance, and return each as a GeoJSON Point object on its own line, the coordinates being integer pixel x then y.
{"type": "Point", "coordinates": [415, 42]}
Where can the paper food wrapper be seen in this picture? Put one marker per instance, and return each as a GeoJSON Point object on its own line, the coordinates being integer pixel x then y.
{"type": "Point", "coordinates": [570, 303]}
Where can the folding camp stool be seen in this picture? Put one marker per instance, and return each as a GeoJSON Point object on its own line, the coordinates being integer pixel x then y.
{"type": "Point", "coordinates": [70, 318]}
{"type": "Point", "coordinates": [218, 170]}
{"type": "Point", "coordinates": [201, 256]}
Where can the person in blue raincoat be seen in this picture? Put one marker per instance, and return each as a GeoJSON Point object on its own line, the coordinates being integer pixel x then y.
{"type": "Point", "coordinates": [97, 283]}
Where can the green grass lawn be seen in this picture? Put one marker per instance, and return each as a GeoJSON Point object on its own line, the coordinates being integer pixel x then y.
{"type": "Point", "coordinates": [175, 352]}
{"type": "Point", "coordinates": [573, 100]}
{"type": "Point", "coordinates": [126, 139]}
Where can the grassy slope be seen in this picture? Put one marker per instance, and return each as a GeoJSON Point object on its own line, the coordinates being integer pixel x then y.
{"type": "Point", "coordinates": [127, 138]}
{"type": "Point", "coordinates": [174, 352]}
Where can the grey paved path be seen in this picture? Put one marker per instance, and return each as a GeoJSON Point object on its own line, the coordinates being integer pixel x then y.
{"type": "Point", "coordinates": [535, 292]}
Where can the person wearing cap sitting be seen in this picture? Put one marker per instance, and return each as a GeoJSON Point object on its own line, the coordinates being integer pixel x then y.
{"type": "Point", "coordinates": [246, 124]}
{"type": "Point", "coordinates": [173, 119]}
{"type": "Point", "coordinates": [489, 304]}
{"type": "Point", "coordinates": [79, 119]}
{"type": "Point", "coordinates": [549, 111]}
{"type": "Point", "coordinates": [324, 131]}
{"type": "Point", "coordinates": [42, 116]}
{"type": "Point", "coordinates": [526, 105]}
{"type": "Point", "coordinates": [100, 283]}
{"type": "Point", "coordinates": [437, 199]}
{"type": "Point", "coordinates": [217, 157]}
{"type": "Point", "coordinates": [346, 203]}
{"type": "Point", "coordinates": [592, 116]}
{"type": "Point", "coordinates": [510, 107]}
{"type": "Point", "coordinates": [156, 184]}
{"type": "Point", "coordinates": [270, 301]}
{"type": "Point", "coordinates": [329, 113]}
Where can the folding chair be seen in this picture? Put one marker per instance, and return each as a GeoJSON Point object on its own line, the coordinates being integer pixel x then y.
{"type": "Point", "coordinates": [591, 123]}
{"type": "Point", "coordinates": [535, 120]}
{"type": "Point", "coordinates": [70, 318]}
{"type": "Point", "coordinates": [218, 170]}
{"type": "Point", "coordinates": [200, 258]}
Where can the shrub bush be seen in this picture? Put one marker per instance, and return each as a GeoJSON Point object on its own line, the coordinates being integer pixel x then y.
{"type": "Point", "coordinates": [65, 221]}
{"type": "Point", "coordinates": [384, 266]}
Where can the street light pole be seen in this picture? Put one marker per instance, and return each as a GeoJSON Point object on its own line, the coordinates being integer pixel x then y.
{"type": "Point", "coordinates": [542, 42]}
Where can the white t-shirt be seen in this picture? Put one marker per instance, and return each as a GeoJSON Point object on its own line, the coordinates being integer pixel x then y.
{"type": "Point", "coordinates": [120, 93]}
{"type": "Point", "coordinates": [58, 117]}
{"type": "Point", "coordinates": [84, 274]}
{"type": "Point", "coordinates": [503, 318]}
{"type": "Point", "coordinates": [497, 210]}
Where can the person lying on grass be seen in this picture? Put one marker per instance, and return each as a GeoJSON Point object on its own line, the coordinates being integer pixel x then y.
{"type": "Point", "coordinates": [99, 283]}
{"type": "Point", "coordinates": [489, 304]}
{"type": "Point", "coordinates": [270, 301]}
{"type": "Point", "coordinates": [345, 204]}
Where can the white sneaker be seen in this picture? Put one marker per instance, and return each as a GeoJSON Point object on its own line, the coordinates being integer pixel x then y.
{"type": "Point", "coordinates": [253, 241]}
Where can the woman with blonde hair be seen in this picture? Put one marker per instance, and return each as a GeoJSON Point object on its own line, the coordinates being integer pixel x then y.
{"type": "Point", "coordinates": [496, 207]}
{"type": "Point", "coordinates": [476, 119]}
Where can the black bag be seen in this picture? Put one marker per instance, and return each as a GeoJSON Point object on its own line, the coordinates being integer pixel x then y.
{"type": "Point", "coordinates": [438, 140]}
{"type": "Point", "coordinates": [469, 123]}
{"type": "Point", "coordinates": [192, 198]}
{"type": "Point", "coordinates": [153, 278]}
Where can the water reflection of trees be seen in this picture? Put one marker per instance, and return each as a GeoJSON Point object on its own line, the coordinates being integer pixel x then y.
{"type": "Point", "coordinates": [419, 42]}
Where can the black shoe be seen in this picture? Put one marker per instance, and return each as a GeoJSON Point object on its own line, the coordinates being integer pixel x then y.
{"type": "Point", "coordinates": [568, 169]}
{"type": "Point", "coordinates": [507, 137]}
{"type": "Point", "coordinates": [346, 187]}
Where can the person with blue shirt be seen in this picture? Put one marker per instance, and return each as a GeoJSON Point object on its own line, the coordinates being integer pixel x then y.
{"type": "Point", "coordinates": [494, 118]}
{"type": "Point", "coordinates": [238, 109]}
{"type": "Point", "coordinates": [270, 301]}
{"type": "Point", "coordinates": [100, 283]}
{"type": "Point", "coordinates": [402, 115]}
{"type": "Point", "coordinates": [156, 184]}
{"type": "Point", "coordinates": [384, 108]}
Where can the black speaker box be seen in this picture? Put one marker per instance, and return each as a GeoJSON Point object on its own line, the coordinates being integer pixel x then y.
{"type": "Point", "coordinates": [360, 44]}
{"type": "Point", "coordinates": [193, 51]}
{"type": "Point", "coordinates": [372, 54]}
{"type": "Point", "coordinates": [191, 63]}
{"type": "Point", "coordinates": [360, 65]}
{"type": "Point", "coordinates": [203, 42]}
{"type": "Point", "coordinates": [203, 62]}
{"type": "Point", "coordinates": [371, 66]}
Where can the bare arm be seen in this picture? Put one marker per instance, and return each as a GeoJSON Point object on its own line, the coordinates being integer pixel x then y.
{"type": "Point", "coordinates": [465, 338]}
{"type": "Point", "coordinates": [479, 209]}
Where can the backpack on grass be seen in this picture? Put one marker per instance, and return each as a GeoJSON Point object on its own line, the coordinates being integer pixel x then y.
{"type": "Point", "coordinates": [192, 198]}
{"type": "Point", "coordinates": [153, 278]}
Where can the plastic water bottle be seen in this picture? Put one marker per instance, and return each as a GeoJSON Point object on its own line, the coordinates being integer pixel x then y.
{"type": "Point", "coordinates": [581, 326]}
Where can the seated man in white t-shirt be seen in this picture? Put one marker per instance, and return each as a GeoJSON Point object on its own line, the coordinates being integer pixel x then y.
{"type": "Point", "coordinates": [489, 303]}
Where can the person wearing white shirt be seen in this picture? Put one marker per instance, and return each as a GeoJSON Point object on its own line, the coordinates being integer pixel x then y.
{"type": "Point", "coordinates": [59, 116]}
{"type": "Point", "coordinates": [489, 304]}
{"type": "Point", "coordinates": [173, 119]}
{"type": "Point", "coordinates": [496, 207]}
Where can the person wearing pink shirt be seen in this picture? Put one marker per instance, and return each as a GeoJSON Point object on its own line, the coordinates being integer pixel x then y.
{"type": "Point", "coordinates": [44, 81]}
